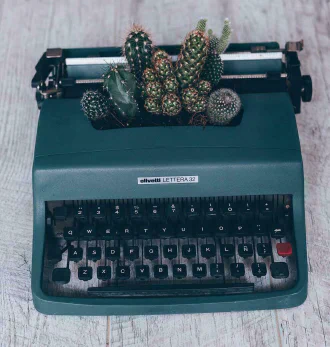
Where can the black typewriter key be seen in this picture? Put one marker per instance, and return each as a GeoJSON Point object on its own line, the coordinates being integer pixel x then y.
{"type": "Point", "coordinates": [137, 212]}
{"type": "Point", "coordinates": [170, 251]}
{"type": "Point", "coordinates": [145, 231]}
{"type": "Point", "coordinates": [154, 213]}
{"type": "Point", "coordinates": [210, 210]}
{"type": "Point", "coordinates": [279, 270]}
{"type": "Point", "coordinates": [80, 212]}
{"type": "Point", "coordinates": [217, 269]}
{"type": "Point", "coordinates": [277, 232]}
{"type": "Point", "coordinates": [227, 250]}
{"type": "Point", "coordinates": [61, 275]}
{"type": "Point", "coordinates": [112, 253]}
{"type": "Point", "coordinates": [266, 207]}
{"type": "Point", "coordinates": [85, 273]}
{"type": "Point", "coordinates": [98, 212]}
{"type": "Point", "coordinates": [208, 251]}
{"type": "Point", "coordinates": [264, 249]}
{"type": "Point", "coordinates": [173, 212]}
{"type": "Point", "coordinates": [142, 272]}
{"type": "Point", "coordinates": [184, 231]}
{"type": "Point", "coordinates": [199, 270]}
{"type": "Point", "coordinates": [60, 213]}
{"type": "Point", "coordinates": [131, 252]}
{"type": "Point", "coordinates": [192, 211]}
{"type": "Point", "coordinates": [118, 213]}
{"type": "Point", "coordinates": [107, 232]}
{"type": "Point", "coordinates": [260, 229]}
{"type": "Point", "coordinates": [70, 234]}
{"type": "Point", "coordinates": [221, 228]}
{"type": "Point", "coordinates": [237, 269]}
{"type": "Point", "coordinates": [151, 252]}
{"type": "Point", "coordinates": [189, 251]}
{"type": "Point", "coordinates": [242, 229]}
{"type": "Point", "coordinates": [104, 273]}
{"type": "Point", "coordinates": [54, 254]}
{"type": "Point", "coordinates": [165, 231]}
{"type": "Point", "coordinates": [94, 253]}
{"type": "Point", "coordinates": [247, 208]}
{"type": "Point", "coordinates": [245, 250]}
{"type": "Point", "coordinates": [259, 269]}
{"type": "Point", "coordinates": [123, 272]}
{"type": "Point", "coordinates": [229, 209]}
{"type": "Point", "coordinates": [88, 232]}
{"type": "Point", "coordinates": [179, 271]}
{"type": "Point", "coordinates": [203, 230]}
{"type": "Point", "coordinates": [126, 232]}
{"type": "Point", "coordinates": [161, 271]}
{"type": "Point", "coordinates": [75, 253]}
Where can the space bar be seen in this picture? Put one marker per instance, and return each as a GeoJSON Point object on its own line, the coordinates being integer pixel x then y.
{"type": "Point", "coordinates": [171, 290]}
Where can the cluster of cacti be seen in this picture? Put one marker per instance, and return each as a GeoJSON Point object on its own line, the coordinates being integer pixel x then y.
{"type": "Point", "coordinates": [95, 105]}
{"type": "Point", "coordinates": [161, 86]}
{"type": "Point", "coordinates": [122, 89]}
{"type": "Point", "coordinates": [192, 56]}
{"type": "Point", "coordinates": [213, 68]}
{"type": "Point", "coordinates": [138, 49]}
{"type": "Point", "coordinates": [223, 106]}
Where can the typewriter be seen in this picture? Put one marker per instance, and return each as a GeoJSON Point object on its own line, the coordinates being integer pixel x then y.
{"type": "Point", "coordinates": [176, 219]}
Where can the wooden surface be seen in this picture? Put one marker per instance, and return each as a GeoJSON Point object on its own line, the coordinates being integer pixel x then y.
{"type": "Point", "coordinates": [27, 28]}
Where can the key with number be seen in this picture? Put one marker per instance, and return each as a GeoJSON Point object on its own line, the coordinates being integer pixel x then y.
{"type": "Point", "coordinates": [98, 212]}
{"type": "Point", "coordinates": [118, 213]}
{"type": "Point", "coordinates": [192, 211]}
{"type": "Point", "coordinates": [137, 212]}
{"type": "Point", "coordinates": [80, 212]}
{"type": "Point", "coordinates": [210, 210]}
{"type": "Point", "coordinates": [173, 211]}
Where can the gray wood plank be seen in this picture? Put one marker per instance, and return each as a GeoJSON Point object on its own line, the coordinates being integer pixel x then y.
{"type": "Point", "coordinates": [27, 29]}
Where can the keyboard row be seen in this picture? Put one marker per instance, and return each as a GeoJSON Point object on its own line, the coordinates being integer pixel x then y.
{"type": "Point", "coordinates": [211, 229]}
{"type": "Point", "coordinates": [278, 270]}
{"type": "Point", "coordinates": [207, 251]}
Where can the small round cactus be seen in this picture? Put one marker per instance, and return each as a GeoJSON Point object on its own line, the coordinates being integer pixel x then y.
{"type": "Point", "coordinates": [164, 68]}
{"type": "Point", "coordinates": [171, 105]}
{"type": "Point", "coordinates": [223, 106]}
{"type": "Point", "coordinates": [160, 54]}
{"type": "Point", "coordinates": [171, 84]}
{"type": "Point", "coordinates": [204, 87]}
{"type": "Point", "coordinates": [149, 75]}
{"type": "Point", "coordinates": [153, 105]}
{"type": "Point", "coordinates": [154, 89]}
{"type": "Point", "coordinates": [95, 105]}
{"type": "Point", "coordinates": [189, 95]}
{"type": "Point", "coordinates": [198, 106]}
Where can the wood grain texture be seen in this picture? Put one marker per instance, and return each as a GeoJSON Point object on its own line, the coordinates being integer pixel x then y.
{"type": "Point", "coordinates": [29, 27]}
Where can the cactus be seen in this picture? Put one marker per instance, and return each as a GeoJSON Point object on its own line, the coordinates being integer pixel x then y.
{"type": "Point", "coordinates": [201, 25]}
{"type": "Point", "coordinates": [204, 87]}
{"type": "Point", "coordinates": [198, 106]}
{"type": "Point", "coordinates": [160, 54]}
{"type": "Point", "coordinates": [138, 49]}
{"type": "Point", "coordinates": [213, 68]}
{"type": "Point", "coordinates": [192, 58]}
{"type": "Point", "coordinates": [223, 106]}
{"type": "Point", "coordinates": [149, 75]}
{"type": "Point", "coordinates": [171, 104]}
{"type": "Point", "coordinates": [122, 89]}
{"type": "Point", "coordinates": [171, 84]}
{"type": "Point", "coordinates": [95, 105]}
{"type": "Point", "coordinates": [164, 68]}
{"type": "Point", "coordinates": [153, 105]}
{"type": "Point", "coordinates": [154, 89]}
{"type": "Point", "coordinates": [189, 95]}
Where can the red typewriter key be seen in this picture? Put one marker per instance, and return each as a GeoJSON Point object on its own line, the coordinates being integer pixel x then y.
{"type": "Point", "coordinates": [284, 249]}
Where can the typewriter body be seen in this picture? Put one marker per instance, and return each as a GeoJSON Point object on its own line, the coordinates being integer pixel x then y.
{"type": "Point", "coordinates": [178, 219]}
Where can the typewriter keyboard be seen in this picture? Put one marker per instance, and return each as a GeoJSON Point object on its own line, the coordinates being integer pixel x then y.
{"type": "Point", "coordinates": [169, 247]}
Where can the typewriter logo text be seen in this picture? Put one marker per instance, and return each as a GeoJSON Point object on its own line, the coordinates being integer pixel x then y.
{"type": "Point", "coordinates": [168, 180]}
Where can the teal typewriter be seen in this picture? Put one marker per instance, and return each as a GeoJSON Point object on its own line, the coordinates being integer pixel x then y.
{"type": "Point", "coordinates": [170, 219]}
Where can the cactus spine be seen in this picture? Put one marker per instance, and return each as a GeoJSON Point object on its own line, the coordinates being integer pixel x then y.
{"type": "Point", "coordinates": [213, 68]}
{"type": "Point", "coordinates": [192, 57]}
{"type": "Point", "coordinates": [122, 89]}
{"type": "Point", "coordinates": [223, 106]}
{"type": "Point", "coordinates": [138, 49]}
{"type": "Point", "coordinates": [95, 105]}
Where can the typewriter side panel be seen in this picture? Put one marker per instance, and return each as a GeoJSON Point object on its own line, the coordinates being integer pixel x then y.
{"type": "Point", "coordinates": [104, 175]}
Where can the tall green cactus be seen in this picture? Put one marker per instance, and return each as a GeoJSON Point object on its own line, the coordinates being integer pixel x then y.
{"type": "Point", "coordinates": [122, 88]}
{"type": "Point", "coordinates": [225, 37]}
{"type": "Point", "coordinates": [138, 49]}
